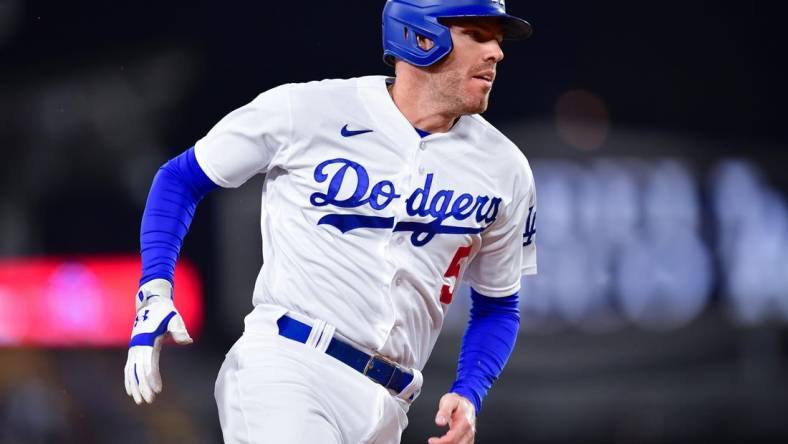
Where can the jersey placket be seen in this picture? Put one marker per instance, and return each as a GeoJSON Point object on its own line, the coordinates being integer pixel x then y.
{"type": "Point", "coordinates": [396, 245]}
{"type": "Point", "coordinates": [401, 240]}
{"type": "Point", "coordinates": [399, 252]}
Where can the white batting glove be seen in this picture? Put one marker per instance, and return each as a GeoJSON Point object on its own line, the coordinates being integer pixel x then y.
{"type": "Point", "coordinates": [156, 319]}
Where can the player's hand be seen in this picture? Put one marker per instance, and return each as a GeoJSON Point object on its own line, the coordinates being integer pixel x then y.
{"type": "Point", "coordinates": [459, 414]}
{"type": "Point", "coordinates": [156, 320]}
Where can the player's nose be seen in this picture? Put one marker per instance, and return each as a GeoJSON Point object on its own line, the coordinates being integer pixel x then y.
{"type": "Point", "coordinates": [493, 51]}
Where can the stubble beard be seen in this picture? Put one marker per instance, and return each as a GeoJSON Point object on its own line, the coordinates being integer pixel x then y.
{"type": "Point", "coordinates": [448, 90]}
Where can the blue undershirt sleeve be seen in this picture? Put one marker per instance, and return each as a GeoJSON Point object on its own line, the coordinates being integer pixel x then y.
{"type": "Point", "coordinates": [177, 188]}
{"type": "Point", "coordinates": [488, 342]}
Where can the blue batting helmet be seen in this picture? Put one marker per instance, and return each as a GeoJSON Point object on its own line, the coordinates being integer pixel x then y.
{"type": "Point", "coordinates": [404, 19]}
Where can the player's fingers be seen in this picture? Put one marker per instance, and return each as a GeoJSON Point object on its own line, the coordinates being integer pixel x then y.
{"type": "Point", "coordinates": [155, 376]}
{"type": "Point", "coordinates": [461, 419]}
{"type": "Point", "coordinates": [126, 377]}
{"type": "Point", "coordinates": [446, 406]}
{"type": "Point", "coordinates": [466, 415]}
{"type": "Point", "coordinates": [139, 370]}
{"type": "Point", "coordinates": [145, 390]}
{"type": "Point", "coordinates": [150, 378]}
{"type": "Point", "coordinates": [178, 331]}
{"type": "Point", "coordinates": [461, 431]}
{"type": "Point", "coordinates": [451, 437]}
{"type": "Point", "coordinates": [134, 380]}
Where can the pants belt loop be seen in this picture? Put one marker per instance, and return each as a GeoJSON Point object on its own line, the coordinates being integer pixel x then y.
{"type": "Point", "coordinates": [318, 328]}
{"type": "Point", "coordinates": [412, 390]}
{"type": "Point", "coordinates": [325, 338]}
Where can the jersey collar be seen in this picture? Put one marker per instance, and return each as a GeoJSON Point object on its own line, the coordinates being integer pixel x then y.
{"type": "Point", "coordinates": [385, 113]}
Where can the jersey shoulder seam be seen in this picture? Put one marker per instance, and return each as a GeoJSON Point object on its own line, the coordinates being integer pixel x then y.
{"type": "Point", "coordinates": [349, 83]}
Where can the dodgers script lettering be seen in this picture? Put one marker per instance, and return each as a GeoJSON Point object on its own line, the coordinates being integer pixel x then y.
{"type": "Point", "coordinates": [441, 205]}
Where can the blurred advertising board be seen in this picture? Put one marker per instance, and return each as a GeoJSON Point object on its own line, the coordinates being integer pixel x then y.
{"type": "Point", "coordinates": [82, 301]}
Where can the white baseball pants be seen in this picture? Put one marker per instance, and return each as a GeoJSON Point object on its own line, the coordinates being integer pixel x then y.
{"type": "Point", "coordinates": [271, 389]}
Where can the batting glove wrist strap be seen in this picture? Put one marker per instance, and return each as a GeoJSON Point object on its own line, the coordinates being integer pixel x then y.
{"type": "Point", "coordinates": [152, 291]}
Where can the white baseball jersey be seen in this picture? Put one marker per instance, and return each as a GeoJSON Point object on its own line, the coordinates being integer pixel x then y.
{"type": "Point", "coordinates": [365, 224]}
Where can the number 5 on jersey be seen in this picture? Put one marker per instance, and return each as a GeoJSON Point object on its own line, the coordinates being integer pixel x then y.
{"type": "Point", "coordinates": [453, 273]}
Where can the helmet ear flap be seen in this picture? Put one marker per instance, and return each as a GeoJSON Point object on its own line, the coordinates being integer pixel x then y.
{"type": "Point", "coordinates": [412, 36]}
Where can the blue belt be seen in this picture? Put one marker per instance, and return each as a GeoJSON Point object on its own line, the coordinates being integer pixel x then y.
{"type": "Point", "coordinates": [375, 367]}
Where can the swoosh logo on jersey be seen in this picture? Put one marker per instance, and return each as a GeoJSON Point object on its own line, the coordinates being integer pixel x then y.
{"type": "Point", "coordinates": [350, 133]}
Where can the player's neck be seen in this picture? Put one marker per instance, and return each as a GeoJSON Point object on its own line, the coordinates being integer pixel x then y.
{"type": "Point", "coordinates": [420, 108]}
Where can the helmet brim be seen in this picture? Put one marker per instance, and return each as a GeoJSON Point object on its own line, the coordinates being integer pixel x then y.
{"type": "Point", "coordinates": [514, 28]}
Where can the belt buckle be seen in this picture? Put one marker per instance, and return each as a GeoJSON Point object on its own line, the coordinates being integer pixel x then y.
{"type": "Point", "coordinates": [378, 357]}
{"type": "Point", "coordinates": [381, 358]}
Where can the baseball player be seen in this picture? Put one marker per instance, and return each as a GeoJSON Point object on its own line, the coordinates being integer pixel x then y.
{"type": "Point", "coordinates": [381, 194]}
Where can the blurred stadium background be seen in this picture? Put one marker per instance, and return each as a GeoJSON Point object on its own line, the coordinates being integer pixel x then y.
{"type": "Point", "coordinates": [656, 133]}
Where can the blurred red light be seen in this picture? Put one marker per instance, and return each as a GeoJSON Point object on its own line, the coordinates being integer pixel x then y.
{"type": "Point", "coordinates": [83, 301]}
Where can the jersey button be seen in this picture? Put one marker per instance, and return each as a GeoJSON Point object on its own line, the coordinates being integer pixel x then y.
{"type": "Point", "coordinates": [422, 170]}
{"type": "Point", "coordinates": [398, 282]}
{"type": "Point", "coordinates": [400, 240]}
{"type": "Point", "coordinates": [423, 146]}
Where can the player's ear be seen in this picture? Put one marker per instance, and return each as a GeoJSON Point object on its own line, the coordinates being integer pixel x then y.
{"type": "Point", "coordinates": [424, 43]}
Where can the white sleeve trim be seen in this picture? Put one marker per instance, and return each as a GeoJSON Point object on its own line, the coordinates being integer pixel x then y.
{"type": "Point", "coordinates": [208, 170]}
{"type": "Point", "coordinates": [496, 292]}
{"type": "Point", "coordinates": [529, 270]}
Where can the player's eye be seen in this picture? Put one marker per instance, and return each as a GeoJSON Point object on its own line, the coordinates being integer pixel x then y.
{"type": "Point", "coordinates": [475, 35]}
{"type": "Point", "coordinates": [481, 36]}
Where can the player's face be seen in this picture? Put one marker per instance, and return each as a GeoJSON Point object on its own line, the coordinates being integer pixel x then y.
{"type": "Point", "coordinates": [464, 79]}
